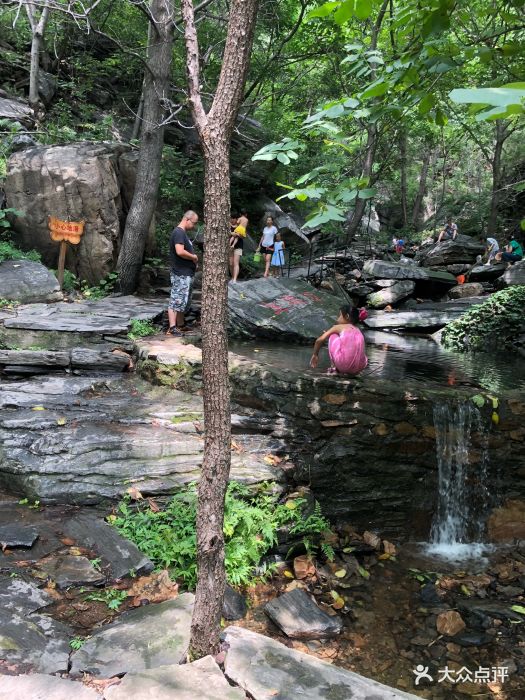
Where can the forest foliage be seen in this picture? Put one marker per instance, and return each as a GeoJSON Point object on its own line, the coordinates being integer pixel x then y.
{"type": "Point", "coordinates": [414, 108]}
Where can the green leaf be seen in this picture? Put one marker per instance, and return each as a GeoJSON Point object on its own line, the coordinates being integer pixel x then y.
{"type": "Point", "coordinates": [478, 400]}
{"type": "Point", "coordinates": [375, 89]}
{"type": "Point", "coordinates": [329, 113]}
{"type": "Point", "coordinates": [426, 104]}
{"type": "Point", "coordinates": [363, 572]}
{"type": "Point", "coordinates": [323, 215]}
{"type": "Point", "coordinates": [345, 11]}
{"type": "Point", "coordinates": [512, 94]}
{"type": "Point", "coordinates": [363, 9]}
{"type": "Point", "coordinates": [283, 158]}
{"type": "Point", "coordinates": [367, 194]}
{"type": "Point", "coordinates": [324, 10]}
{"type": "Point", "coordinates": [518, 608]}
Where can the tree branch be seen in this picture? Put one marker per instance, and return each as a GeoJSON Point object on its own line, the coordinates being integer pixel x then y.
{"type": "Point", "coordinates": [193, 65]}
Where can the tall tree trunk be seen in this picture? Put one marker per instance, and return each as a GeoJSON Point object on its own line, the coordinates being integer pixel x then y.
{"type": "Point", "coordinates": [421, 191]}
{"type": "Point", "coordinates": [366, 172]}
{"type": "Point", "coordinates": [403, 168]}
{"type": "Point", "coordinates": [215, 130]}
{"type": "Point", "coordinates": [155, 90]}
{"type": "Point", "coordinates": [38, 24]}
{"type": "Point", "coordinates": [500, 134]}
{"type": "Point", "coordinates": [371, 134]}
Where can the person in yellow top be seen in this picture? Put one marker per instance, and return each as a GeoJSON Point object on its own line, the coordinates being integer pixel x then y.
{"type": "Point", "coordinates": [237, 243]}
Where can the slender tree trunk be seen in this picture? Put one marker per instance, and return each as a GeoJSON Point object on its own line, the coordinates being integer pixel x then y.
{"type": "Point", "coordinates": [368, 164]}
{"type": "Point", "coordinates": [492, 223]}
{"type": "Point", "coordinates": [420, 196]}
{"type": "Point", "coordinates": [215, 130]}
{"type": "Point", "coordinates": [371, 135]}
{"type": "Point", "coordinates": [38, 26]}
{"type": "Point", "coordinates": [403, 167]}
{"type": "Point", "coordinates": [155, 90]}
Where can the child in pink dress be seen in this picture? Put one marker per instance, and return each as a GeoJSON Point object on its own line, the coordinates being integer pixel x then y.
{"type": "Point", "coordinates": [346, 343]}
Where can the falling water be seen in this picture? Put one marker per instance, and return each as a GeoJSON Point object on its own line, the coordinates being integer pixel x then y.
{"type": "Point", "coordinates": [463, 493]}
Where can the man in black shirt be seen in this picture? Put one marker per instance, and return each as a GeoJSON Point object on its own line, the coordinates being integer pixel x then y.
{"type": "Point", "coordinates": [183, 265]}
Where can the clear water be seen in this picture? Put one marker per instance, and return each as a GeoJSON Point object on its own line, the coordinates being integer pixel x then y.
{"type": "Point", "coordinates": [400, 357]}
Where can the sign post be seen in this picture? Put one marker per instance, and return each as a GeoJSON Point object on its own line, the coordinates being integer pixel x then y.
{"type": "Point", "coordinates": [64, 232]}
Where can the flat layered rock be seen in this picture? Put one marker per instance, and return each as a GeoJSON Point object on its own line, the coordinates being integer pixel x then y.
{"type": "Point", "coordinates": [35, 641]}
{"type": "Point", "coordinates": [391, 294]}
{"type": "Point", "coordinates": [76, 325]}
{"type": "Point", "coordinates": [201, 679]}
{"type": "Point", "coordinates": [17, 535]}
{"type": "Point", "coordinates": [382, 269]}
{"type": "Point", "coordinates": [462, 291]}
{"type": "Point", "coordinates": [22, 597]}
{"type": "Point", "coordinates": [486, 273]}
{"type": "Point", "coordinates": [145, 638]}
{"type": "Point", "coordinates": [69, 570]}
{"type": "Point", "coordinates": [462, 250]}
{"type": "Point", "coordinates": [427, 315]}
{"type": "Point", "coordinates": [300, 617]}
{"type": "Point", "coordinates": [267, 669]}
{"type": "Point", "coordinates": [122, 555]}
{"type": "Point", "coordinates": [515, 274]}
{"type": "Point", "coordinates": [38, 686]}
{"type": "Point", "coordinates": [285, 309]}
{"type": "Point", "coordinates": [82, 440]}
{"type": "Point", "coordinates": [26, 282]}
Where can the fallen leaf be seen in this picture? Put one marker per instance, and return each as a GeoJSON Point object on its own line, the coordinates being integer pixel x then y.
{"type": "Point", "coordinates": [338, 604]}
{"type": "Point", "coordinates": [38, 408]}
{"type": "Point", "coordinates": [153, 506]}
{"type": "Point", "coordinates": [155, 588]}
{"type": "Point", "coordinates": [287, 573]}
{"type": "Point", "coordinates": [364, 573]}
{"type": "Point", "coordinates": [384, 556]}
{"type": "Point", "coordinates": [389, 547]}
{"type": "Point", "coordinates": [303, 566]}
{"type": "Point", "coordinates": [61, 421]}
{"type": "Point", "coordinates": [236, 447]}
{"type": "Point", "coordinates": [341, 573]}
{"type": "Point", "coordinates": [134, 493]}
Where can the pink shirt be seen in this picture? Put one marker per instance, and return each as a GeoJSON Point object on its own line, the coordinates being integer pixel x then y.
{"type": "Point", "coordinates": [347, 351]}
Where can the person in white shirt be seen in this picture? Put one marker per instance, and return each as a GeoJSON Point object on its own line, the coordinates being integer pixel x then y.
{"type": "Point", "coordinates": [266, 244]}
{"type": "Point", "coordinates": [492, 249]}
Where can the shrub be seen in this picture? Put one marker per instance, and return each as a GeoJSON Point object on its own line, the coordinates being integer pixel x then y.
{"type": "Point", "coordinates": [141, 329]}
{"type": "Point", "coordinates": [251, 522]}
{"type": "Point", "coordinates": [494, 324]}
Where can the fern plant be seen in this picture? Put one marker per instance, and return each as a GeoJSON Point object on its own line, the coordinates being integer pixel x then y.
{"type": "Point", "coordinates": [251, 525]}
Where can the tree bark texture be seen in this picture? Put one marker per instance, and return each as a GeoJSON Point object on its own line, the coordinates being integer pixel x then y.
{"type": "Point", "coordinates": [403, 177]}
{"type": "Point", "coordinates": [38, 24]}
{"type": "Point", "coordinates": [215, 130]}
{"type": "Point", "coordinates": [420, 196]}
{"type": "Point", "coordinates": [500, 137]}
{"type": "Point", "coordinates": [155, 91]}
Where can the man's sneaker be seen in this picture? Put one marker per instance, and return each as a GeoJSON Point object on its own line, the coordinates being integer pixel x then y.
{"type": "Point", "coordinates": [175, 332]}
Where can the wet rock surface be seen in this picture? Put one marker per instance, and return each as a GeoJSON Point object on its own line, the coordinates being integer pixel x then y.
{"type": "Point", "coordinates": [427, 315]}
{"type": "Point", "coordinates": [148, 637]}
{"type": "Point", "coordinates": [22, 597]}
{"type": "Point", "coordinates": [234, 604]}
{"type": "Point", "coordinates": [82, 440]}
{"type": "Point", "coordinates": [16, 535]}
{"type": "Point", "coordinates": [398, 271]}
{"type": "Point", "coordinates": [391, 294]}
{"type": "Point", "coordinates": [281, 308]}
{"type": "Point", "coordinates": [300, 617]}
{"type": "Point", "coordinates": [70, 570]}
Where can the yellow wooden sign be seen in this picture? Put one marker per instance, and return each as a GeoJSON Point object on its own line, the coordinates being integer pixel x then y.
{"type": "Point", "coordinates": [70, 231]}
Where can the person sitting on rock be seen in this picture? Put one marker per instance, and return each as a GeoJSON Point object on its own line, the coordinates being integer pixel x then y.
{"type": "Point", "coordinates": [512, 253]}
{"type": "Point", "coordinates": [449, 232]}
{"type": "Point", "coordinates": [492, 250]}
{"type": "Point", "coordinates": [346, 343]}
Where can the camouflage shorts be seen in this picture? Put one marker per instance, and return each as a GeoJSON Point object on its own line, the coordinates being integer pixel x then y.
{"type": "Point", "coordinates": [181, 288]}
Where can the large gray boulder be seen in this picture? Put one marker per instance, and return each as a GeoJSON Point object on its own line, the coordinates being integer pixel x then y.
{"type": "Point", "coordinates": [145, 638]}
{"type": "Point", "coordinates": [280, 309]}
{"type": "Point", "coordinates": [266, 668]}
{"type": "Point", "coordinates": [38, 686]}
{"type": "Point", "coordinates": [75, 182]}
{"type": "Point", "coordinates": [515, 274]}
{"type": "Point", "coordinates": [83, 440]}
{"type": "Point", "coordinates": [16, 110]}
{"type": "Point", "coordinates": [382, 269]}
{"type": "Point", "coordinates": [486, 273]}
{"type": "Point", "coordinates": [27, 282]}
{"type": "Point", "coordinates": [462, 291]}
{"type": "Point", "coordinates": [390, 295]}
{"type": "Point", "coordinates": [463, 250]}
{"type": "Point", "coordinates": [427, 316]}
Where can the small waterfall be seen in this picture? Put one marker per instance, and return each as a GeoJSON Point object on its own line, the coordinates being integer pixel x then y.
{"type": "Point", "coordinates": [463, 492]}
